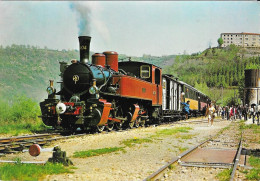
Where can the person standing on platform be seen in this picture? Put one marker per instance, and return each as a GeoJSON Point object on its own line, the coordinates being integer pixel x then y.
{"type": "Point", "coordinates": [227, 112]}
{"type": "Point", "coordinates": [210, 113]}
{"type": "Point", "coordinates": [245, 111]}
{"type": "Point", "coordinates": [186, 108]}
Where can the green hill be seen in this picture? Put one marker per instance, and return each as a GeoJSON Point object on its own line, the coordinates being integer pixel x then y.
{"type": "Point", "coordinates": [162, 61]}
{"type": "Point", "coordinates": [25, 70]}
{"type": "Point", "coordinates": [215, 68]}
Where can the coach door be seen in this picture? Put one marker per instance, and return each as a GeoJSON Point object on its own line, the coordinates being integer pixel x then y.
{"type": "Point", "coordinates": [175, 98]}
{"type": "Point", "coordinates": [158, 82]}
{"type": "Point", "coordinates": [179, 96]}
{"type": "Point", "coordinates": [164, 101]}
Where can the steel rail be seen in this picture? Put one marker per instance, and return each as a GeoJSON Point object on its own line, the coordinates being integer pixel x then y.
{"type": "Point", "coordinates": [15, 144]}
{"type": "Point", "coordinates": [159, 172]}
{"type": "Point", "coordinates": [237, 160]}
{"type": "Point", "coordinates": [156, 174]}
{"type": "Point", "coordinates": [22, 138]}
{"type": "Point", "coordinates": [27, 162]}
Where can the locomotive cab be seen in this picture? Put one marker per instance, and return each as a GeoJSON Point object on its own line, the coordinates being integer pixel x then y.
{"type": "Point", "coordinates": [137, 69]}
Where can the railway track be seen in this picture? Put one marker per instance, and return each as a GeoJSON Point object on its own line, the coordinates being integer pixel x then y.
{"type": "Point", "coordinates": [19, 143]}
{"type": "Point", "coordinates": [212, 153]}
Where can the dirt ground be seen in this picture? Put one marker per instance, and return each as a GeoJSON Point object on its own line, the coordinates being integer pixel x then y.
{"type": "Point", "coordinates": [135, 163]}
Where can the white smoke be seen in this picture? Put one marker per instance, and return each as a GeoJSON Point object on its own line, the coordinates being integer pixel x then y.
{"type": "Point", "coordinates": [83, 17]}
{"type": "Point", "coordinates": [88, 19]}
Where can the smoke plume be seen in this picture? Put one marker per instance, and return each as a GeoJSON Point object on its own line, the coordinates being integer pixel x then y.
{"type": "Point", "coordinates": [89, 21]}
{"type": "Point", "coordinates": [83, 17]}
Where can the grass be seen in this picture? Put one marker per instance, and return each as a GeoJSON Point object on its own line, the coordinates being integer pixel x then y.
{"type": "Point", "coordinates": [224, 175]}
{"type": "Point", "coordinates": [254, 127]}
{"type": "Point", "coordinates": [16, 129]}
{"type": "Point", "coordinates": [173, 131]}
{"type": "Point", "coordinates": [20, 171]}
{"type": "Point", "coordinates": [254, 174]}
{"type": "Point", "coordinates": [172, 167]}
{"type": "Point", "coordinates": [134, 141]}
{"type": "Point", "coordinates": [186, 137]}
{"type": "Point", "coordinates": [20, 115]}
{"type": "Point", "coordinates": [96, 152]}
{"type": "Point", "coordinates": [182, 149]}
{"type": "Point", "coordinates": [224, 129]}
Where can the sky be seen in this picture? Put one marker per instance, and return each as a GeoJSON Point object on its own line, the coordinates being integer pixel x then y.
{"type": "Point", "coordinates": [133, 28]}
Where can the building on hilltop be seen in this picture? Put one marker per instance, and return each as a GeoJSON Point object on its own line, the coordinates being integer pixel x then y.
{"type": "Point", "coordinates": [241, 39]}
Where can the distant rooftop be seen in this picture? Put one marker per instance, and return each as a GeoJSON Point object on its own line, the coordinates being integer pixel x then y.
{"type": "Point", "coordinates": [243, 33]}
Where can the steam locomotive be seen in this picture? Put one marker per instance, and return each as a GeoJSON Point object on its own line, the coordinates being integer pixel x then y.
{"type": "Point", "coordinates": [107, 94]}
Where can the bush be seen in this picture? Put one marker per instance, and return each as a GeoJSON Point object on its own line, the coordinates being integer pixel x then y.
{"type": "Point", "coordinates": [18, 110]}
{"type": "Point", "coordinates": [20, 115]}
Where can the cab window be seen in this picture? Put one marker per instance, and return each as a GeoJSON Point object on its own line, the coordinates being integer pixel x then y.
{"type": "Point", "coordinates": [157, 76]}
{"type": "Point", "coordinates": [145, 71]}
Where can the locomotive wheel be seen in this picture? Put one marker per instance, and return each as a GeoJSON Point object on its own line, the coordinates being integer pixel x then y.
{"type": "Point", "coordinates": [110, 126]}
{"type": "Point", "coordinates": [119, 113]}
{"type": "Point", "coordinates": [137, 122]}
{"type": "Point", "coordinates": [119, 125]}
{"type": "Point", "coordinates": [142, 122]}
{"type": "Point", "coordinates": [100, 128]}
{"type": "Point", "coordinates": [131, 124]}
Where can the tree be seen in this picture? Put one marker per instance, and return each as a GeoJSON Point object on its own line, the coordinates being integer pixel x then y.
{"type": "Point", "coordinates": [220, 42]}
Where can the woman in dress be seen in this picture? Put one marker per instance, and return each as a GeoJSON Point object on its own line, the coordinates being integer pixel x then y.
{"type": "Point", "coordinates": [210, 113]}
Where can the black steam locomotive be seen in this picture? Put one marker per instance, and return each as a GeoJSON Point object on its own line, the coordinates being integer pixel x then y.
{"type": "Point", "coordinates": [108, 93]}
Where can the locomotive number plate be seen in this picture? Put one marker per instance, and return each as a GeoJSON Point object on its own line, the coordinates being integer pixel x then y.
{"type": "Point", "coordinates": [75, 78]}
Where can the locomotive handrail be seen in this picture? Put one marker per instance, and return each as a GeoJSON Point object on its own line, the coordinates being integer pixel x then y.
{"type": "Point", "coordinates": [121, 70]}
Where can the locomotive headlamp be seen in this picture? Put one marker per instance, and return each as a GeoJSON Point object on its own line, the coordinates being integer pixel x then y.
{"type": "Point", "coordinates": [50, 90]}
{"type": "Point", "coordinates": [93, 89]}
{"type": "Point", "coordinates": [60, 108]}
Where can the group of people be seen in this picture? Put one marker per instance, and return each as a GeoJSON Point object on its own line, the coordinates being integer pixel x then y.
{"type": "Point", "coordinates": [210, 111]}
{"type": "Point", "coordinates": [227, 112]}
{"type": "Point", "coordinates": [239, 112]}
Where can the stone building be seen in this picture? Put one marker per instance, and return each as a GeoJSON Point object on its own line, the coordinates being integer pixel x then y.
{"type": "Point", "coordinates": [241, 39]}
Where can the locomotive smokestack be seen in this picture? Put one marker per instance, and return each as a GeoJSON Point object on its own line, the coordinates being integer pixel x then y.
{"type": "Point", "coordinates": [84, 47]}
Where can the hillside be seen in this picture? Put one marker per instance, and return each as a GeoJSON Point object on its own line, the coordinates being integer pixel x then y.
{"type": "Point", "coordinates": [215, 68]}
{"type": "Point", "coordinates": [162, 61]}
{"type": "Point", "coordinates": [26, 70]}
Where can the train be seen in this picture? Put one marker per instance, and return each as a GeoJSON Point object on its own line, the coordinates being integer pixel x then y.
{"type": "Point", "coordinates": [108, 94]}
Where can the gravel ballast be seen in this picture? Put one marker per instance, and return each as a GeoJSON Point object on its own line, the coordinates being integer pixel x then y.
{"type": "Point", "coordinates": [136, 162]}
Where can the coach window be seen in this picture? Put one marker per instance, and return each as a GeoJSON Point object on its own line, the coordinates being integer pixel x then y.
{"type": "Point", "coordinates": [145, 71]}
{"type": "Point", "coordinates": [157, 76]}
